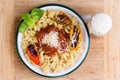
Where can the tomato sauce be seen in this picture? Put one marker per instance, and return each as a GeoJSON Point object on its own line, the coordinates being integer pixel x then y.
{"type": "Point", "coordinates": [63, 40]}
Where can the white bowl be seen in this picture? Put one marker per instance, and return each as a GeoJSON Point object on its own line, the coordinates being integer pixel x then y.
{"type": "Point", "coordinates": [80, 60]}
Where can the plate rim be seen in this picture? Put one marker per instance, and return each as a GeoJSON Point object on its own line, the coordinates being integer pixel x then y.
{"type": "Point", "coordinates": [88, 48]}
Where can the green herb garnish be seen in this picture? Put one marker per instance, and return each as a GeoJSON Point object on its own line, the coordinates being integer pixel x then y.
{"type": "Point", "coordinates": [29, 19]}
{"type": "Point", "coordinates": [30, 22]}
{"type": "Point", "coordinates": [22, 27]}
{"type": "Point", "coordinates": [37, 13]}
{"type": "Point", "coordinates": [26, 16]}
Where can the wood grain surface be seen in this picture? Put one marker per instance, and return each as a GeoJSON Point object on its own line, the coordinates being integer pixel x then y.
{"type": "Point", "coordinates": [102, 62]}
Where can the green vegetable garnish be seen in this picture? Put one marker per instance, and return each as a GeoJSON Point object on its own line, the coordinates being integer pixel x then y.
{"type": "Point", "coordinates": [22, 27]}
{"type": "Point", "coordinates": [36, 17]}
{"type": "Point", "coordinates": [29, 19]}
{"type": "Point", "coordinates": [30, 22]}
{"type": "Point", "coordinates": [41, 13]}
{"type": "Point", "coordinates": [37, 13]}
{"type": "Point", "coordinates": [26, 16]}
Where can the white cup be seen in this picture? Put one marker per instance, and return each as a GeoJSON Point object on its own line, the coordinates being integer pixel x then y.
{"type": "Point", "coordinates": [98, 24]}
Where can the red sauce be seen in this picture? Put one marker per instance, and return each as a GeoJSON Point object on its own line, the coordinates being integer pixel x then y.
{"type": "Point", "coordinates": [50, 51]}
{"type": "Point", "coordinates": [63, 40]}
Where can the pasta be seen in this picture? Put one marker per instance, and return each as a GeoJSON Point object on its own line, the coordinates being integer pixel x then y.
{"type": "Point", "coordinates": [63, 59]}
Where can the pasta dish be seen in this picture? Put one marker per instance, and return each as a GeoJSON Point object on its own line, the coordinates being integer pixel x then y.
{"type": "Point", "coordinates": [53, 42]}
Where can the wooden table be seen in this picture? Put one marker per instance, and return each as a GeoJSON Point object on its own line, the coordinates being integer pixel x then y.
{"type": "Point", "coordinates": [103, 60]}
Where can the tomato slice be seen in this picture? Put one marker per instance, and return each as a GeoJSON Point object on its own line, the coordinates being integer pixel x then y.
{"type": "Point", "coordinates": [32, 54]}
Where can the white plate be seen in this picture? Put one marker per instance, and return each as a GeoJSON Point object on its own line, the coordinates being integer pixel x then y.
{"type": "Point", "coordinates": [86, 39]}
